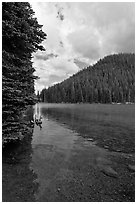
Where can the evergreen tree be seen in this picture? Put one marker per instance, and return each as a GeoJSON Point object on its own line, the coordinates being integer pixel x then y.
{"type": "Point", "coordinates": [21, 36]}
{"type": "Point", "coordinates": [111, 79]}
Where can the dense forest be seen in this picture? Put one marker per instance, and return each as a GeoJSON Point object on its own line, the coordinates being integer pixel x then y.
{"type": "Point", "coordinates": [110, 80]}
{"type": "Point", "coordinates": [21, 36]}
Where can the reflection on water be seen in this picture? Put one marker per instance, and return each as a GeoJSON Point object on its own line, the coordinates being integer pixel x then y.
{"type": "Point", "coordinates": [62, 160]}
{"type": "Point", "coordinates": [17, 184]}
{"type": "Point", "coordinates": [59, 152]}
{"type": "Point", "coordinates": [52, 148]}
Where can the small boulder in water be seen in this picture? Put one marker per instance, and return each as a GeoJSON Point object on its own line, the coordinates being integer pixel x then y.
{"type": "Point", "coordinates": [107, 170]}
{"type": "Point", "coordinates": [131, 168]}
{"type": "Point", "coordinates": [90, 139]}
{"type": "Point", "coordinates": [58, 189]}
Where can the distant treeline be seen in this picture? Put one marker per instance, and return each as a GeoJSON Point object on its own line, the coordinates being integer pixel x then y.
{"type": "Point", "coordinates": [111, 79]}
{"type": "Point", "coordinates": [21, 36]}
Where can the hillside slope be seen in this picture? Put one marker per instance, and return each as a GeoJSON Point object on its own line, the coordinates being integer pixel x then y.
{"type": "Point", "coordinates": [111, 79]}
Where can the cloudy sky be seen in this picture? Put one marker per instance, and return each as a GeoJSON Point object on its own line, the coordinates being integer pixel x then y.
{"type": "Point", "coordinates": [78, 34]}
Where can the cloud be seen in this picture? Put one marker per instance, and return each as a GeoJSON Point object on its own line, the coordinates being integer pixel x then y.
{"type": "Point", "coordinates": [106, 28]}
{"type": "Point", "coordinates": [80, 64]}
{"type": "Point", "coordinates": [81, 32]}
{"type": "Point", "coordinates": [85, 43]}
{"type": "Point", "coordinates": [41, 56]}
{"type": "Point", "coordinates": [53, 70]}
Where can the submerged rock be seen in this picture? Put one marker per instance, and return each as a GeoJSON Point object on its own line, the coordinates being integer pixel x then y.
{"type": "Point", "coordinates": [131, 168]}
{"type": "Point", "coordinates": [90, 139]}
{"type": "Point", "coordinates": [106, 147]}
{"type": "Point", "coordinates": [107, 170]}
{"type": "Point", "coordinates": [58, 189]}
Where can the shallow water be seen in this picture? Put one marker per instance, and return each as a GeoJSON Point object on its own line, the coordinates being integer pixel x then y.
{"type": "Point", "coordinates": [82, 152]}
{"type": "Point", "coordinates": [62, 156]}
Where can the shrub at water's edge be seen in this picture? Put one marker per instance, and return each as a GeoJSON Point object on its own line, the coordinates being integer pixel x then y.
{"type": "Point", "coordinates": [110, 80]}
{"type": "Point", "coordinates": [21, 36]}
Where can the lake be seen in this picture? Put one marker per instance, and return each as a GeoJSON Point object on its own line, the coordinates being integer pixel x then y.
{"type": "Point", "coordinates": [81, 152]}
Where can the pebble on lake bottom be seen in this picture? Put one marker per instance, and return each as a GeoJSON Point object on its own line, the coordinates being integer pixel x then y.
{"type": "Point", "coordinates": [131, 168]}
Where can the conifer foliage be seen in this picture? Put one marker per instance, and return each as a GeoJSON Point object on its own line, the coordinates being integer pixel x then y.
{"type": "Point", "coordinates": [21, 36]}
{"type": "Point", "coordinates": [111, 79]}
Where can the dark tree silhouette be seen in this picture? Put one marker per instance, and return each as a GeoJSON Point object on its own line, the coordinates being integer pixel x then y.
{"type": "Point", "coordinates": [21, 36]}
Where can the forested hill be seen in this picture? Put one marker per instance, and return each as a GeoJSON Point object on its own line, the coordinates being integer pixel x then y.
{"type": "Point", "coordinates": [111, 79]}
